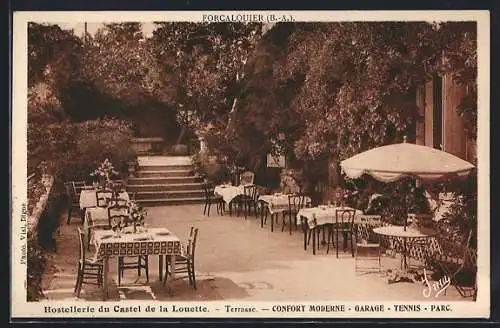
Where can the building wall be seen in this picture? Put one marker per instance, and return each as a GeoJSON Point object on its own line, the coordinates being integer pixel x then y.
{"type": "Point", "coordinates": [444, 94]}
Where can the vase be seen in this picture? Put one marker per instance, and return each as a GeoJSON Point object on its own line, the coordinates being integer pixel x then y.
{"type": "Point", "coordinates": [135, 227]}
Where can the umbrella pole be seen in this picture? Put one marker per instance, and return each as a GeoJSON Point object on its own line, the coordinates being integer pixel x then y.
{"type": "Point", "coordinates": [405, 207]}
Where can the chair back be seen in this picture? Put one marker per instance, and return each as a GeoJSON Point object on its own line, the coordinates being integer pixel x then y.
{"type": "Point", "coordinates": [117, 201]}
{"type": "Point", "coordinates": [118, 214]}
{"type": "Point", "coordinates": [191, 246]}
{"type": "Point", "coordinates": [246, 178]}
{"type": "Point", "coordinates": [364, 229]}
{"type": "Point", "coordinates": [118, 186]}
{"type": "Point", "coordinates": [208, 190]}
{"type": "Point", "coordinates": [344, 218]}
{"type": "Point", "coordinates": [70, 191]}
{"type": "Point", "coordinates": [73, 190]}
{"type": "Point", "coordinates": [103, 196]}
{"type": "Point", "coordinates": [296, 202]}
{"type": "Point", "coordinates": [81, 241]}
{"type": "Point", "coordinates": [250, 192]}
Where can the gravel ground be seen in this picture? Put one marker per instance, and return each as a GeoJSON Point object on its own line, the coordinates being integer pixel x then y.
{"type": "Point", "coordinates": [236, 259]}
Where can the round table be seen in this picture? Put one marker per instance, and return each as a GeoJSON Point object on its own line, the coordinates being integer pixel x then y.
{"type": "Point", "coordinates": [404, 233]}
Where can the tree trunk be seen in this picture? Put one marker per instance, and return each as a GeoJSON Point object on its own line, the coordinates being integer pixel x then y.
{"type": "Point", "coordinates": [181, 135]}
{"type": "Point", "coordinates": [333, 179]}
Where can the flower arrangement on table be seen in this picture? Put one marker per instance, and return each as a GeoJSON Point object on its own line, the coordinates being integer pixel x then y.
{"type": "Point", "coordinates": [342, 196]}
{"type": "Point", "coordinates": [136, 217]}
{"type": "Point", "coordinates": [104, 172]}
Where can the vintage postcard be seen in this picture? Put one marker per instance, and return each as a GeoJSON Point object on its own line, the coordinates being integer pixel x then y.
{"type": "Point", "coordinates": [251, 164]}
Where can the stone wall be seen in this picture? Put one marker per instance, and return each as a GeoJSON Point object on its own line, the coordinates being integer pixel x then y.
{"type": "Point", "coordinates": [40, 206]}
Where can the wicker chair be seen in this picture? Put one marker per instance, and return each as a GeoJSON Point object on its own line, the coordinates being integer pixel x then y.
{"type": "Point", "coordinates": [88, 271]}
{"type": "Point", "coordinates": [456, 261]}
{"type": "Point", "coordinates": [368, 248]}
{"type": "Point", "coordinates": [185, 264]}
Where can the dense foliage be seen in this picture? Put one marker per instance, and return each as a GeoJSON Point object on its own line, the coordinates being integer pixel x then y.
{"type": "Point", "coordinates": [36, 263]}
{"type": "Point", "coordinates": [317, 92]}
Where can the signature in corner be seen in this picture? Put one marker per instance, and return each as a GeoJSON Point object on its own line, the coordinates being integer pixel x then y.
{"type": "Point", "coordinates": [437, 286]}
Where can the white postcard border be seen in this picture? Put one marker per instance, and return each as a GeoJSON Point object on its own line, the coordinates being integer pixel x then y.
{"type": "Point", "coordinates": [21, 308]}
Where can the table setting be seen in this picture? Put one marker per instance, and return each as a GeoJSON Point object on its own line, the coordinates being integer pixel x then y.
{"type": "Point", "coordinates": [144, 241]}
{"type": "Point", "coordinates": [229, 192]}
{"type": "Point", "coordinates": [102, 181]}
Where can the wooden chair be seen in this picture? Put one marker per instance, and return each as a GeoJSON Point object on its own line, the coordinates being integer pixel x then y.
{"type": "Point", "coordinates": [368, 248]}
{"type": "Point", "coordinates": [73, 191]}
{"type": "Point", "coordinates": [458, 262]}
{"type": "Point", "coordinates": [295, 203]}
{"type": "Point", "coordinates": [119, 214]}
{"type": "Point", "coordinates": [117, 201]}
{"type": "Point", "coordinates": [91, 226]}
{"type": "Point", "coordinates": [212, 198]}
{"type": "Point", "coordinates": [246, 178]}
{"type": "Point", "coordinates": [248, 200]}
{"type": "Point", "coordinates": [103, 196]}
{"type": "Point", "coordinates": [344, 224]}
{"type": "Point", "coordinates": [89, 271]}
{"type": "Point", "coordinates": [185, 264]}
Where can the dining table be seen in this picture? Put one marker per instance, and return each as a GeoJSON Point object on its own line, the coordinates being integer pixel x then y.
{"type": "Point", "coordinates": [312, 218]}
{"type": "Point", "coordinates": [404, 237]}
{"type": "Point", "coordinates": [146, 241]}
{"type": "Point", "coordinates": [229, 192]}
{"type": "Point", "coordinates": [275, 204]}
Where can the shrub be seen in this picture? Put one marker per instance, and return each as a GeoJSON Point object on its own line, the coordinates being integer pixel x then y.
{"type": "Point", "coordinates": [95, 141]}
{"type": "Point", "coordinates": [36, 262]}
{"type": "Point", "coordinates": [462, 214]}
{"type": "Point", "coordinates": [210, 168]}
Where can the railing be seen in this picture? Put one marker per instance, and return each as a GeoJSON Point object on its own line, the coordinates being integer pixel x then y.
{"type": "Point", "coordinates": [147, 145]}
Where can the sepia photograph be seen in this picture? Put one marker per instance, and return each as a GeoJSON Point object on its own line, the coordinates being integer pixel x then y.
{"type": "Point", "coordinates": [251, 164]}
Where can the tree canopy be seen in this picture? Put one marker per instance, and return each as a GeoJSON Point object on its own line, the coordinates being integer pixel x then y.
{"type": "Point", "coordinates": [332, 89]}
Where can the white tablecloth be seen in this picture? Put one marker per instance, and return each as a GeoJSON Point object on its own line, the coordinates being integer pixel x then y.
{"type": "Point", "coordinates": [228, 193]}
{"type": "Point", "coordinates": [88, 198]}
{"type": "Point", "coordinates": [318, 216]}
{"type": "Point", "coordinates": [278, 203]}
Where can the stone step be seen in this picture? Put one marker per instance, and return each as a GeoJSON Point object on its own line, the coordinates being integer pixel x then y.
{"type": "Point", "coordinates": [162, 180]}
{"type": "Point", "coordinates": [155, 168]}
{"type": "Point", "coordinates": [164, 160]}
{"type": "Point", "coordinates": [163, 173]}
{"type": "Point", "coordinates": [163, 187]}
{"type": "Point", "coordinates": [140, 195]}
{"type": "Point", "coordinates": [172, 201]}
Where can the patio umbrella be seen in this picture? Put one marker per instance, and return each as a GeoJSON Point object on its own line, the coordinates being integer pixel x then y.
{"type": "Point", "coordinates": [394, 162]}
{"type": "Point", "coordinates": [406, 160]}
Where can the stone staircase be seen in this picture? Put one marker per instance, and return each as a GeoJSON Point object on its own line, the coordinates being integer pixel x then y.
{"type": "Point", "coordinates": [165, 180]}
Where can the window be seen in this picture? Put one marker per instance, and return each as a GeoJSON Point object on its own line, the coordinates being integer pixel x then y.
{"type": "Point", "coordinates": [437, 113]}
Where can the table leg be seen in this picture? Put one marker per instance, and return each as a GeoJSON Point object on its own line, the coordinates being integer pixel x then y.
{"type": "Point", "coordinates": [262, 209]}
{"type": "Point", "coordinates": [272, 222]}
{"type": "Point", "coordinates": [172, 266]}
{"type": "Point", "coordinates": [304, 227]}
{"type": "Point", "coordinates": [105, 278]}
{"type": "Point", "coordinates": [313, 231]}
{"type": "Point", "coordinates": [160, 267]}
{"type": "Point", "coordinates": [405, 264]}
